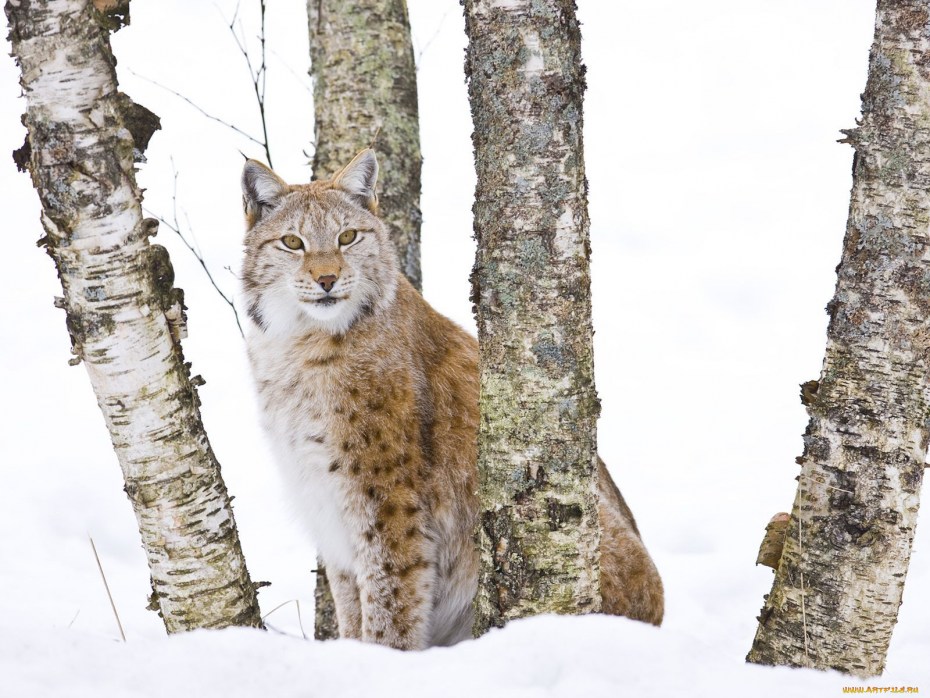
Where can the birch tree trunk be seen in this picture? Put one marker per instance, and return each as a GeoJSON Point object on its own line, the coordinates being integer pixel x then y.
{"type": "Point", "coordinates": [839, 584]}
{"type": "Point", "coordinates": [364, 91]}
{"type": "Point", "coordinates": [365, 88]}
{"type": "Point", "coordinates": [538, 530]}
{"type": "Point", "coordinates": [124, 317]}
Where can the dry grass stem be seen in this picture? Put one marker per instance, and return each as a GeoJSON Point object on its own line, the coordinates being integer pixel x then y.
{"type": "Point", "coordinates": [107, 587]}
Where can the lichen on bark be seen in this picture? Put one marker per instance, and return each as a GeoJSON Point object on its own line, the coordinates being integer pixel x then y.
{"type": "Point", "coordinates": [839, 585]}
{"type": "Point", "coordinates": [325, 625]}
{"type": "Point", "coordinates": [538, 530]}
{"type": "Point", "coordinates": [365, 93]}
{"type": "Point", "coordinates": [123, 314]}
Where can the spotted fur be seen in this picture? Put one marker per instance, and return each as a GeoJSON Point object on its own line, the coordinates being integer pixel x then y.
{"type": "Point", "coordinates": [370, 400]}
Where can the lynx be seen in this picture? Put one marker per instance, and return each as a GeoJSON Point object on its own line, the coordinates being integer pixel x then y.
{"type": "Point", "coordinates": [370, 400]}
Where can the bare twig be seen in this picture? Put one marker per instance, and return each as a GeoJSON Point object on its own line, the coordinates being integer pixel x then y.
{"type": "Point", "coordinates": [176, 228]}
{"type": "Point", "coordinates": [203, 111]}
{"type": "Point", "coordinates": [431, 40]}
{"type": "Point", "coordinates": [297, 76]}
{"type": "Point", "coordinates": [261, 96]}
{"type": "Point", "coordinates": [107, 587]}
{"type": "Point", "coordinates": [374, 138]}
{"type": "Point", "coordinates": [257, 75]}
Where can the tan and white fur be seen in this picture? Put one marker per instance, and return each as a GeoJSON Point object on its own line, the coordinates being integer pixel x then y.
{"type": "Point", "coordinates": [370, 400]}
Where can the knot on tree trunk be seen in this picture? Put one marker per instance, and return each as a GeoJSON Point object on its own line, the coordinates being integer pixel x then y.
{"type": "Point", "coordinates": [139, 121]}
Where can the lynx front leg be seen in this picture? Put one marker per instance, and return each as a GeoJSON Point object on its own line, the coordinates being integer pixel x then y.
{"type": "Point", "coordinates": [348, 606]}
{"type": "Point", "coordinates": [397, 591]}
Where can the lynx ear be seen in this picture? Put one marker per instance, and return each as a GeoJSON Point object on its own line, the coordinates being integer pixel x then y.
{"type": "Point", "coordinates": [358, 179]}
{"type": "Point", "coordinates": [261, 190]}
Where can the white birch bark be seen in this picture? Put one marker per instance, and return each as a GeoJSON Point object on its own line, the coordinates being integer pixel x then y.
{"type": "Point", "coordinates": [538, 531]}
{"type": "Point", "coordinates": [123, 315]}
{"type": "Point", "coordinates": [839, 584]}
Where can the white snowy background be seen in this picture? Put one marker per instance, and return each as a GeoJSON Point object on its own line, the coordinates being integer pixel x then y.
{"type": "Point", "coordinates": [718, 200]}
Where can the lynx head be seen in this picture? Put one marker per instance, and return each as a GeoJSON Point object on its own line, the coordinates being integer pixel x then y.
{"type": "Point", "coordinates": [316, 255]}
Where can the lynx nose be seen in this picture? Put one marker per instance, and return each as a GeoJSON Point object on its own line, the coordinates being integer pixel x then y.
{"type": "Point", "coordinates": [327, 282]}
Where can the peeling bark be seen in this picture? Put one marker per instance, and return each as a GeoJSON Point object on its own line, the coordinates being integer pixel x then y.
{"type": "Point", "coordinates": [774, 541]}
{"type": "Point", "coordinates": [838, 588]}
{"type": "Point", "coordinates": [364, 92]}
{"type": "Point", "coordinates": [538, 531]}
{"type": "Point", "coordinates": [123, 314]}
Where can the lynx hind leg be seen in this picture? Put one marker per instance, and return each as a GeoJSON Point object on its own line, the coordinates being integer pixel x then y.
{"type": "Point", "coordinates": [396, 605]}
{"type": "Point", "coordinates": [630, 582]}
{"type": "Point", "coordinates": [348, 606]}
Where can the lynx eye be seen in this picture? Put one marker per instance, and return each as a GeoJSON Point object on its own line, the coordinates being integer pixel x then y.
{"type": "Point", "coordinates": [347, 237]}
{"type": "Point", "coordinates": [292, 242]}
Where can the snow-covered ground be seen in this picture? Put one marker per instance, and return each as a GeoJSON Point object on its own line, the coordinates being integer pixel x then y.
{"type": "Point", "coordinates": [718, 204]}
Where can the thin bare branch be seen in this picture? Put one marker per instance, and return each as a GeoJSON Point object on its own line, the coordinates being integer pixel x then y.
{"type": "Point", "coordinates": [374, 138]}
{"type": "Point", "coordinates": [301, 79]}
{"type": "Point", "coordinates": [192, 246]}
{"type": "Point", "coordinates": [203, 111]}
{"type": "Point", "coordinates": [202, 262]}
{"type": "Point", "coordinates": [257, 75]}
{"type": "Point", "coordinates": [431, 39]}
{"type": "Point", "coordinates": [264, 74]}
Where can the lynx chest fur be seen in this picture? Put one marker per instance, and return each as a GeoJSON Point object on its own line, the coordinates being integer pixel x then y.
{"type": "Point", "coordinates": [366, 394]}
{"type": "Point", "coordinates": [370, 400]}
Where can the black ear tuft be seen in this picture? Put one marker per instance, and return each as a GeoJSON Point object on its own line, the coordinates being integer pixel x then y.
{"type": "Point", "coordinates": [261, 190]}
{"type": "Point", "coordinates": [359, 178]}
